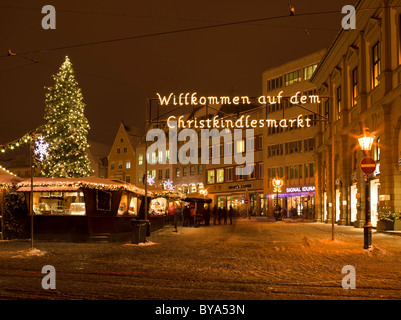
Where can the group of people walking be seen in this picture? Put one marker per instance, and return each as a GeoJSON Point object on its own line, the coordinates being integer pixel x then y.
{"type": "Point", "coordinates": [188, 217]}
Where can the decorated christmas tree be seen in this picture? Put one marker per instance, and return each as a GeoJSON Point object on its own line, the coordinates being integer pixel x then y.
{"type": "Point", "coordinates": [66, 128]}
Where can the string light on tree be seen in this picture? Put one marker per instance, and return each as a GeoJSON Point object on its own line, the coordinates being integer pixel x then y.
{"type": "Point", "coordinates": [66, 127]}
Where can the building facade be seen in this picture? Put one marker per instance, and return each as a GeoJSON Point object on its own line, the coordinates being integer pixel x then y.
{"type": "Point", "coordinates": [288, 152]}
{"type": "Point", "coordinates": [122, 157]}
{"type": "Point", "coordinates": [360, 75]}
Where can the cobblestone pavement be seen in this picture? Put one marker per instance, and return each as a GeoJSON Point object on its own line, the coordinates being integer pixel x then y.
{"type": "Point", "coordinates": [249, 260]}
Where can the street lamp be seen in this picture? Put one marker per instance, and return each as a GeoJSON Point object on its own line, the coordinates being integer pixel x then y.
{"type": "Point", "coordinates": [277, 184]}
{"type": "Point", "coordinates": [368, 166]}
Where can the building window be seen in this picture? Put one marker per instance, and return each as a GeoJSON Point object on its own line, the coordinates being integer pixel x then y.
{"type": "Point", "coordinates": [128, 179]}
{"type": "Point", "coordinates": [376, 150]}
{"type": "Point", "coordinates": [261, 170]}
{"type": "Point", "coordinates": [167, 155]}
{"type": "Point", "coordinates": [240, 177]}
{"type": "Point", "coordinates": [229, 174]}
{"type": "Point", "coordinates": [191, 170]}
{"type": "Point", "coordinates": [293, 77]}
{"type": "Point", "coordinates": [375, 64]}
{"type": "Point", "coordinates": [252, 175]}
{"type": "Point", "coordinates": [240, 146]}
{"type": "Point", "coordinates": [177, 172]}
{"type": "Point", "coordinates": [219, 175]}
{"type": "Point", "coordinates": [125, 149]}
{"type": "Point", "coordinates": [200, 169]}
{"type": "Point", "coordinates": [184, 171]}
{"type": "Point", "coordinates": [120, 165]}
{"type": "Point", "coordinates": [154, 173]}
{"type": "Point", "coordinates": [118, 150]}
{"type": "Point", "coordinates": [354, 86]}
{"type": "Point", "coordinates": [210, 176]}
{"type": "Point", "coordinates": [112, 166]}
{"type": "Point", "coordinates": [167, 173]}
{"type": "Point", "coordinates": [339, 102]}
{"type": "Point", "coordinates": [140, 159]}
{"type": "Point", "coordinates": [327, 109]}
{"type": "Point", "coordinates": [274, 83]}
{"type": "Point", "coordinates": [128, 164]}
{"type": "Point", "coordinates": [160, 156]}
{"type": "Point", "coordinates": [308, 71]}
{"type": "Point", "coordinates": [260, 142]}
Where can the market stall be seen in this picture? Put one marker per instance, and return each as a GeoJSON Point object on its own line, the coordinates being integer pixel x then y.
{"type": "Point", "coordinates": [78, 208]}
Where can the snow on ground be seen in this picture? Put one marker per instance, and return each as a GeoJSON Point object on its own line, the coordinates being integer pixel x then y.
{"type": "Point", "coordinates": [252, 259]}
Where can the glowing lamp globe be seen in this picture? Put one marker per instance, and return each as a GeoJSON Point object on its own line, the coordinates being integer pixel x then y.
{"type": "Point", "coordinates": [366, 142]}
{"type": "Point", "coordinates": [277, 184]}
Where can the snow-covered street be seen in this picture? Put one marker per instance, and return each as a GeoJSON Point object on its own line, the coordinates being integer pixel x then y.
{"type": "Point", "coordinates": [250, 260]}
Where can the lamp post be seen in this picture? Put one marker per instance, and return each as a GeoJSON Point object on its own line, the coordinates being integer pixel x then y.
{"type": "Point", "coordinates": [368, 166]}
{"type": "Point", "coordinates": [277, 184]}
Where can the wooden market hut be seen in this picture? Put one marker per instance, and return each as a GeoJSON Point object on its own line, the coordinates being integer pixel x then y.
{"type": "Point", "coordinates": [83, 208]}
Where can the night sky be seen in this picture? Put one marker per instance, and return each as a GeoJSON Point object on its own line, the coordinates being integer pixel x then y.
{"type": "Point", "coordinates": [117, 77]}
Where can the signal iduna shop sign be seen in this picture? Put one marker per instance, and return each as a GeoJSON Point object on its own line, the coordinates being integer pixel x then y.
{"type": "Point", "coordinates": [300, 189]}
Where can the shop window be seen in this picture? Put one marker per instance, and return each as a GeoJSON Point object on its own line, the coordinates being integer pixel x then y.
{"type": "Point", "coordinates": [210, 176]}
{"type": "Point", "coordinates": [219, 175]}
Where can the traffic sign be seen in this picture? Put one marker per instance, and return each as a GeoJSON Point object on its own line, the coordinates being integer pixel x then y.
{"type": "Point", "coordinates": [368, 165]}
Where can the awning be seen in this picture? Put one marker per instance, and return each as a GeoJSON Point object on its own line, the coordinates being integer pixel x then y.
{"type": "Point", "coordinates": [44, 189]}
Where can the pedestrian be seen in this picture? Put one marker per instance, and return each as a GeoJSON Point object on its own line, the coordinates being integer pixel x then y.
{"type": "Point", "coordinates": [215, 214]}
{"type": "Point", "coordinates": [192, 216]}
{"type": "Point", "coordinates": [186, 216]}
{"type": "Point", "coordinates": [219, 214]}
{"type": "Point", "coordinates": [206, 215]}
{"type": "Point", "coordinates": [225, 215]}
{"type": "Point", "coordinates": [171, 213]}
{"type": "Point", "coordinates": [231, 214]}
